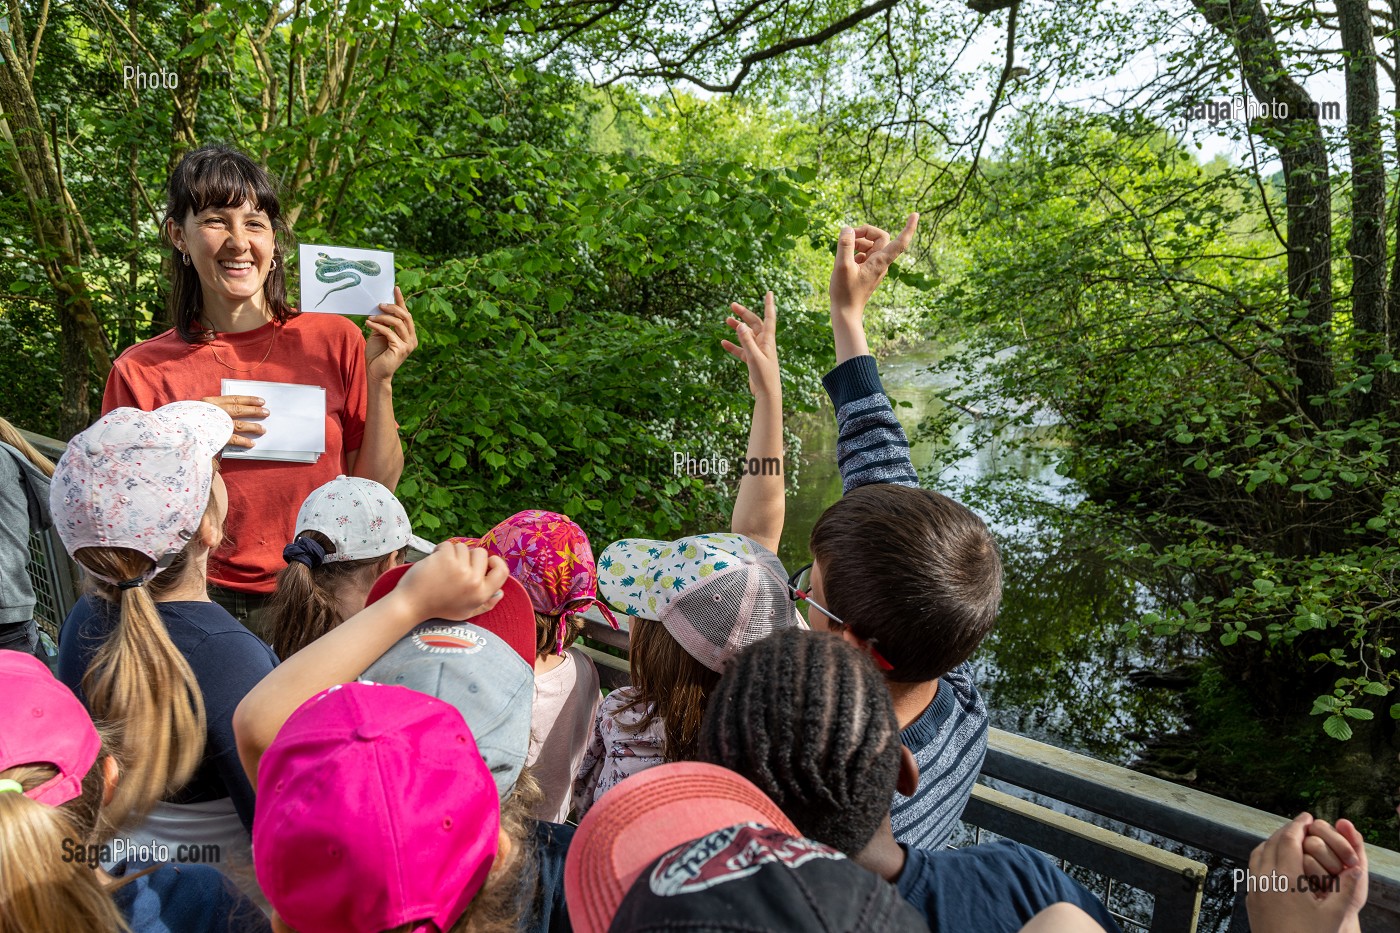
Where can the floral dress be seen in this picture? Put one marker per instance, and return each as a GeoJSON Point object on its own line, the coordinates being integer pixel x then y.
{"type": "Point", "coordinates": [617, 749]}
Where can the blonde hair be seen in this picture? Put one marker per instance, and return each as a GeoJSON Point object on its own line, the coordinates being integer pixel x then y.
{"type": "Point", "coordinates": [42, 885]}
{"type": "Point", "coordinates": [141, 684]}
{"type": "Point", "coordinates": [9, 434]}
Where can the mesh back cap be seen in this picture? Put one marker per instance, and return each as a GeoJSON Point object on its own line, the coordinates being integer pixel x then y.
{"type": "Point", "coordinates": [715, 593]}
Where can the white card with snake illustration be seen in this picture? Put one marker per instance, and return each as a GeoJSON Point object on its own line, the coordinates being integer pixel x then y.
{"type": "Point", "coordinates": [341, 280]}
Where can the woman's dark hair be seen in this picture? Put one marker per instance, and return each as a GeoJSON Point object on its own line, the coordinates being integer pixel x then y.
{"type": "Point", "coordinates": [809, 720]}
{"type": "Point", "coordinates": [305, 604]}
{"type": "Point", "coordinates": [221, 176]}
{"type": "Point", "coordinates": [669, 685]}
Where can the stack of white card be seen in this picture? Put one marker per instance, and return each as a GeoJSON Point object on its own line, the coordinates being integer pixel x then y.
{"type": "Point", "coordinates": [295, 424]}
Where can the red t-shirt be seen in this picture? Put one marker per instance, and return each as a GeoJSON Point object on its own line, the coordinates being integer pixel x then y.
{"type": "Point", "coordinates": [264, 495]}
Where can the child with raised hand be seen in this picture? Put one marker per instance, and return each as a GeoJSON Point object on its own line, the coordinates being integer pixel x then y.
{"type": "Point", "coordinates": [696, 601]}
{"type": "Point", "coordinates": [906, 573]}
{"type": "Point", "coordinates": [348, 533]}
{"type": "Point", "coordinates": [138, 501]}
{"type": "Point", "coordinates": [55, 776]}
{"type": "Point", "coordinates": [550, 556]}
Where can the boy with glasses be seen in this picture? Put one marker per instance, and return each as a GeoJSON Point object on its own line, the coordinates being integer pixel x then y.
{"type": "Point", "coordinates": [905, 573]}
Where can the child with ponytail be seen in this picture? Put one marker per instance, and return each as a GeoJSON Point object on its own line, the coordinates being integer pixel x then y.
{"type": "Point", "coordinates": [695, 602]}
{"type": "Point", "coordinates": [139, 504]}
{"type": "Point", "coordinates": [348, 533]}
{"type": "Point", "coordinates": [54, 778]}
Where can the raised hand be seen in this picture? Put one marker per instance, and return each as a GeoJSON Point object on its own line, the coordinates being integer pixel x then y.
{"type": "Point", "coordinates": [758, 346]}
{"type": "Point", "coordinates": [454, 582]}
{"type": "Point", "coordinates": [238, 407]}
{"type": "Point", "coordinates": [394, 338]}
{"type": "Point", "coordinates": [863, 256]}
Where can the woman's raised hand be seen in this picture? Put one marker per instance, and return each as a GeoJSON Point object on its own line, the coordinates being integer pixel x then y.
{"type": "Point", "coordinates": [394, 338]}
{"type": "Point", "coordinates": [239, 407]}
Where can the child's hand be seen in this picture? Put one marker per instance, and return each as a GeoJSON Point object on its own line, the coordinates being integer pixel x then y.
{"type": "Point", "coordinates": [758, 348]}
{"type": "Point", "coordinates": [863, 256]}
{"type": "Point", "coordinates": [1331, 850]}
{"type": "Point", "coordinates": [1288, 854]}
{"type": "Point", "coordinates": [454, 582]}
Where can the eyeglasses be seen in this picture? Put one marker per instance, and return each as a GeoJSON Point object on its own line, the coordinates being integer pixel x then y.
{"type": "Point", "coordinates": [797, 590]}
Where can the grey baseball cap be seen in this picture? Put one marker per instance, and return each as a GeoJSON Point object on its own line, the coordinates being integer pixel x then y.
{"type": "Point", "coordinates": [476, 671]}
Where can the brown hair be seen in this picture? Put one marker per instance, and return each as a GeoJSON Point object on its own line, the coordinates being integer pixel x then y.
{"type": "Point", "coordinates": [305, 604]}
{"type": "Point", "coordinates": [913, 572]}
{"type": "Point", "coordinates": [141, 685]}
{"type": "Point", "coordinates": [669, 685]}
{"type": "Point", "coordinates": [221, 176]}
{"type": "Point", "coordinates": [497, 906]}
{"type": "Point", "coordinates": [42, 886]}
{"type": "Point", "coordinates": [546, 627]}
{"type": "Point", "coordinates": [9, 434]}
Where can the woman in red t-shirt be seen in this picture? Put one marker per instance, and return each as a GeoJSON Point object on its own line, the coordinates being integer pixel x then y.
{"type": "Point", "coordinates": [232, 321]}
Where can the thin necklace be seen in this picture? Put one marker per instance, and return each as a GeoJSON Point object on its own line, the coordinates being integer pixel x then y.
{"type": "Point", "coordinates": [270, 343]}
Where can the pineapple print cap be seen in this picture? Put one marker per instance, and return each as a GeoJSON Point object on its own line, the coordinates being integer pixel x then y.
{"type": "Point", "coordinates": [715, 593]}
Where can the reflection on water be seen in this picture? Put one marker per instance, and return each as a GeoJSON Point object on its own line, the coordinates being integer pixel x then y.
{"type": "Point", "coordinates": [1055, 668]}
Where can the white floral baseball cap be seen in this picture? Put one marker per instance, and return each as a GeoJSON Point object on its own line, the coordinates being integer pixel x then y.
{"type": "Point", "coordinates": [139, 479]}
{"type": "Point", "coordinates": [362, 518]}
{"type": "Point", "coordinates": [715, 593]}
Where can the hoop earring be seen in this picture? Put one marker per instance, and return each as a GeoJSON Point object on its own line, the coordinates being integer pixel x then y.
{"type": "Point", "coordinates": [273, 266]}
{"type": "Point", "coordinates": [185, 256]}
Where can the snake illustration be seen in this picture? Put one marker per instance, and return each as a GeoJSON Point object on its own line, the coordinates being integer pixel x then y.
{"type": "Point", "coordinates": [330, 269]}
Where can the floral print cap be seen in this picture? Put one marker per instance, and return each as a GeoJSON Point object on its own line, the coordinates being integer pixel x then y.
{"type": "Point", "coordinates": [362, 518]}
{"type": "Point", "coordinates": [715, 593]}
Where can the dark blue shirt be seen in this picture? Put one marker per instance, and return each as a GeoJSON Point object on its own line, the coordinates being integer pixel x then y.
{"type": "Point", "coordinates": [185, 899]}
{"type": "Point", "coordinates": [227, 660]}
{"type": "Point", "coordinates": [996, 887]}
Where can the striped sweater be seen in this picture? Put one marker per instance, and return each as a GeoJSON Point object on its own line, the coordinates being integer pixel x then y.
{"type": "Point", "coordinates": [949, 738]}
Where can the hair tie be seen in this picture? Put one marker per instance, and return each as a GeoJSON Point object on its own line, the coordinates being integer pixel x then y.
{"type": "Point", "coordinates": [8, 784]}
{"type": "Point", "coordinates": [305, 551]}
{"type": "Point", "coordinates": [133, 582]}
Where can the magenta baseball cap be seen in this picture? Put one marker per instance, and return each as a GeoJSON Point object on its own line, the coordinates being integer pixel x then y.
{"type": "Point", "coordinates": [139, 479]}
{"type": "Point", "coordinates": [374, 810]}
{"type": "Point", "coordinates": [643, 818]}
{"type": "Point", "coordinates": [42, 721]}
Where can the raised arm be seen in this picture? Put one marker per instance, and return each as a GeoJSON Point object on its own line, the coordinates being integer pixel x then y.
{"type": "Point", "coordinates": [871, 446]}
{"type": "Point", "coordinates": [760, 506]}
{"type": "Point", "coordinates": [380, 455]}
{"type": "Point", "coordinates": [454, 582]}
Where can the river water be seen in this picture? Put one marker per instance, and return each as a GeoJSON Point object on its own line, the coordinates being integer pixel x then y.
{"type": "Point", "coordinates": [1055, 668]}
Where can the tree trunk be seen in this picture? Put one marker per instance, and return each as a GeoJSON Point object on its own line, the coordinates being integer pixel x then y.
{"type": "Point", "coordinates": [1296, 135]}
{"type": "Point", "coordinates": [1367, 245]}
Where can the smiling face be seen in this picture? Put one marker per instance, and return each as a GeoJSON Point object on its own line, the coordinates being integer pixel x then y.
{"type": "Point", "coordinates": [230, 247]}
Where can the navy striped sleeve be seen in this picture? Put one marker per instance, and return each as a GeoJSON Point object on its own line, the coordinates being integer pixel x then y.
{"type": "Point", "coordinates": [871, 446]}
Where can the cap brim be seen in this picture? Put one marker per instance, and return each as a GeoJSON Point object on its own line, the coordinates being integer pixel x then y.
{"type": "Point", "coordinates": [646, 816]}
{"type": "Point", "coordinates": [210, 425]}
{"type": "Point", "coordinates": [512, 619]}
{"type": "Point", "coordinates": [621, 568]}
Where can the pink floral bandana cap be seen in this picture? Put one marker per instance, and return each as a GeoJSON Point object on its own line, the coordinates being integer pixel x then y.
{"type": "Point", "coordinates": [550, 556]}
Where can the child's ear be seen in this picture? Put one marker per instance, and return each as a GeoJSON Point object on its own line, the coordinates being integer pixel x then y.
{"type": "Point", "coordinates": [211, 532]}
{"type": "Point", "coordinates": [111, 777]}
{"type": "Point", "coordinates": [908, 782]}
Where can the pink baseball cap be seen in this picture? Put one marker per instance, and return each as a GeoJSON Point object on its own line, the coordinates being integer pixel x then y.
{"type": "Point", "coordinates": [374, 809]}
{"type": "Point", "coordinates": [139, 479]}
{"type": "Point", "coordinates": [44, 722]}
{"type": "Point", "coordinates": [643, 818]}
{"type": "Point", "coordinates": [511, 619]}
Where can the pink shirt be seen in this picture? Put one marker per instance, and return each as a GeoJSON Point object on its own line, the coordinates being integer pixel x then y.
{"type": "Point", "coordinates": [566, 700]}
